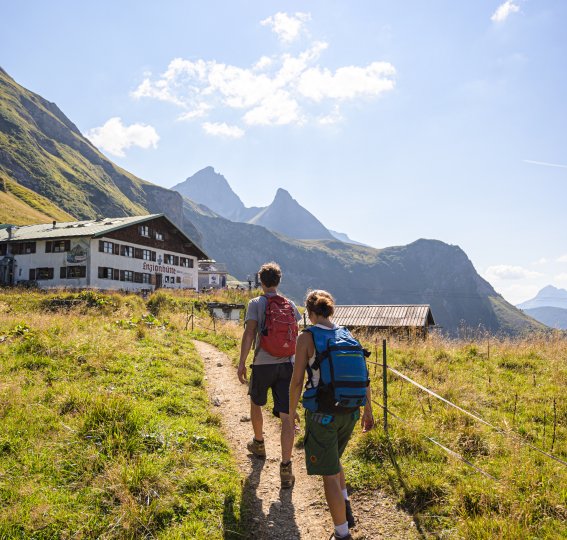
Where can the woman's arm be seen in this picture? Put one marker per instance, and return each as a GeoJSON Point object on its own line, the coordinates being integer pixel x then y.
{"type": "Point", "coordinates": [367, 416]}
{"type": "Point", "coordinates": [298, 376]}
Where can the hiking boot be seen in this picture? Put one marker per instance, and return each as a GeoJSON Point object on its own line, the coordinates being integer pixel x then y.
{"type": "Point", "coordinates": [286, 475]}
{"type": "Point", "coordinates": [258, 448]}
{"type": "Point", "coordinates": [349, 516]}
{"type": "Point", "coordinates": [335, 537]}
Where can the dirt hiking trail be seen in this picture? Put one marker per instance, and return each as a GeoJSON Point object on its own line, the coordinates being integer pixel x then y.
{"type": "Point", "coordinates": [286, 514]}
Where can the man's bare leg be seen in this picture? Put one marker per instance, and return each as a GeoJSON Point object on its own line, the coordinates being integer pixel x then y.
{"type": "Point", "coordinates": [287, 437]}
{"type": "Point", "coordinates": [257, 421]}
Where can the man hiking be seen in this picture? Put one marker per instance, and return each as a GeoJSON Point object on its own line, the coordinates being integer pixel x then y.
{"type": "Point", "coordinates": [271, 325]}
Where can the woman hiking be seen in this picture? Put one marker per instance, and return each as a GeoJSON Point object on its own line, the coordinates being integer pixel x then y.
{"type": "Point", "coordinates": [330, 415]}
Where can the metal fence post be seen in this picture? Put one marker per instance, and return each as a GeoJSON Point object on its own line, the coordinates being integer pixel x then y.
{"type": "Point", "coordinates": [385, 385]}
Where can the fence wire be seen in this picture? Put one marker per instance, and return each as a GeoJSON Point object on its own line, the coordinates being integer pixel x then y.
{"type": "Point", "coordinates": [448, 450]}
{"type": "Point", "coordinates": [478, 418]}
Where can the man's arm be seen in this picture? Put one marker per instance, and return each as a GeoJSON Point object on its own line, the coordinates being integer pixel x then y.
{"type": "Point", "coordinates": [248, 338]}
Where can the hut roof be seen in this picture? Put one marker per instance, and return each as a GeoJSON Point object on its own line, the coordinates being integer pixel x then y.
{"type": "Point", "coordinates": [384, 316]}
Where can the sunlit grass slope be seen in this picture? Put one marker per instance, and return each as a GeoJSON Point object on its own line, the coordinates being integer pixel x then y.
{"type": "Point", "coordinates": [22, 206]}
{"type": "Point", "coordinates": [519, 387]}
{"type": "Point", "coordinates": [105, 426]}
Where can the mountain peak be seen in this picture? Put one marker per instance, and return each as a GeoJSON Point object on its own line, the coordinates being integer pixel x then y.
{"type": "Point", "coordinates": [549, 296]}
{"type": "Point", "coordinates": [212, 189]}
{"type": "Point", "coordinates": [551, 290]}
{"type": "Point", "coordinates": [281, 193]}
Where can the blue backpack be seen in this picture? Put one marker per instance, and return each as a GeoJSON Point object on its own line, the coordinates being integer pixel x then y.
{"type": "Point", "coordinates": [341, 362]}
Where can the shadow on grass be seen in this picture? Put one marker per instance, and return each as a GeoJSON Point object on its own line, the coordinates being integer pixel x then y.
{"type": "Point", "coordinates": [232, 525]}
{"type": "Point", "coordinates": [409, 502]}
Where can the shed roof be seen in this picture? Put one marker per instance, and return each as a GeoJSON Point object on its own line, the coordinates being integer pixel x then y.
{"type": "Point", "coordinates": [94, 228]}
{"type": "Point", "coordinates": [384, 316]}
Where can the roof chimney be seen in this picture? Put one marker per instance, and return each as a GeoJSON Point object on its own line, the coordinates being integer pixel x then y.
{"type": "Point", "coordinates": [9, 229]}
{"type": "Point", "coordinates": [54, 223]}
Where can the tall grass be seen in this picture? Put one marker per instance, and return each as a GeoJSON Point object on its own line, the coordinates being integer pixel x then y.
{"type": "Point", "coordinates": [517, 385]}
{"type": "Point", "coordinates": [105, 427]}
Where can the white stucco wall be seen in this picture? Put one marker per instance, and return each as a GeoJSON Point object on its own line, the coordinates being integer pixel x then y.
{"type": "Point", "coordinates": [96, 259]}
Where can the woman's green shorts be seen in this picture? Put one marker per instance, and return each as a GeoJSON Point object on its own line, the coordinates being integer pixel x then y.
{"type": "Point", "coordinates": [325, 441]}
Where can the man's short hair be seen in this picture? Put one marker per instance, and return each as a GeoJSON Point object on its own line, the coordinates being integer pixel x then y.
{"type": "Point", "coordinates": [270, 274]}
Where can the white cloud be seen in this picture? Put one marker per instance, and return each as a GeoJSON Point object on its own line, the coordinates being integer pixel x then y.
{"type": "Point", "coordinates": [504, 11]}
{"type": "Point", "coordinates": [506, 272]}
{"type": "Point", "coordinates": [222, 129]}
{"type": "Point", "coordinates": [198, 112]}
{"type": "Point", "coordinates": [278, 109]}
{"type": "Point", "coordinates": [277, 90]}
{"type": "Point", "coordinates": [287, 27]}
{"type": "Point", "coordinates": [562, 259]}
{"type": "Point", "coordinates": [541, 261]}
{"type": "Point", "coordinates": [115, 137]}
{"type": "Point", "coordinates": [263, 63]}
{"type": "Point", "coordinates": [334, 117]}
{"type": "Point", "coordinates": [347, 82]}
{"type": "Point", "coordinates": [561, 279]}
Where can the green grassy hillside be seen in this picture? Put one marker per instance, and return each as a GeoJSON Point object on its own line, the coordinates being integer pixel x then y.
{"type": "Point", "coordinates": [42, 150]}
{"type": "Point", "coordinates": [107, 434]}
{"type": "Point", "coordinates": [22, 206]}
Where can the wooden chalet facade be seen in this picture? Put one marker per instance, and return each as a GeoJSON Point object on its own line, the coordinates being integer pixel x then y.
{"type": "Point", "coordinates": [140, 253]}
{"type": "Point", "coordinates": [386, 319]}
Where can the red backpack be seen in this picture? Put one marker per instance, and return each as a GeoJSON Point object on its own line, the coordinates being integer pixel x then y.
{"type": "Point", "coordinates": [280, 327]}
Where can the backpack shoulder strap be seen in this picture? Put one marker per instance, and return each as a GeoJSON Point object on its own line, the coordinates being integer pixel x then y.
{"type": "Point", "coordinates": [321, 339]}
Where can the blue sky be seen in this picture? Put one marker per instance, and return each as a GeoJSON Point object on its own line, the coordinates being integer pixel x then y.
{"type": "Point", "coordinates": [389, 120]}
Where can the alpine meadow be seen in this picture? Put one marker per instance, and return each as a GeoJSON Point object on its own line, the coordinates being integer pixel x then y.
{"type": "Point", "coordinates": [283, 272]}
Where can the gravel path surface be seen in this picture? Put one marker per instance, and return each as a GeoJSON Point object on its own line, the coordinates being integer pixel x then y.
{"type": "Point", "coordinates": [280, 514]}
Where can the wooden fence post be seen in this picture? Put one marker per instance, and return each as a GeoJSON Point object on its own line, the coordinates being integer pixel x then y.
{"type": "Point", "coordinates": [192, 317]}
{"type": "Point", "coordinates": [385, 385]}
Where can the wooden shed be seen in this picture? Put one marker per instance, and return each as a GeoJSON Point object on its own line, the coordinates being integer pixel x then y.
{"type": "Point", "coordinates": [399, 319]}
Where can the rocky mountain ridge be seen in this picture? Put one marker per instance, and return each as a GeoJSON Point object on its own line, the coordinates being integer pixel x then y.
{"type": "Point", "coordinates": [44, 160]}
{"type": "Point", "coordinates": [549, 296]}
{"type": "Point", "coordinates": [549, 306]}
{"type": "Point", "coordinates": [283, 215]}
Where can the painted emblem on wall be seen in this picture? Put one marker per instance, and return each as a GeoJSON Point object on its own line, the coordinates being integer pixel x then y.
{"type": "Point", "coordinates": [78, 254]}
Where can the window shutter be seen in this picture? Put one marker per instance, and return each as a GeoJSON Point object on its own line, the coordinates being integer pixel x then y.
{"type": "Point", "coordinates": [137, 253]}
{"type": "Point", "coordinates": [176, 260]}
{"type": "Point", "coordinates": [100, 272]}
{"type": "Point", "coordinates": [82, 271]}
{"type": "Point", "coordinates": [153, 256]}
{"type": "Point", "coordinates": [116, 249]}
{"type": "Point", "coordinates": [116, 274]}
{"type": "Point", "coordinates": [50, 273]}
{"type": "Point", "coordinates": [63, 272]}
{"type": "Point", "coordinates": [32, 274]}
{"type": "Point", "coordinates": [48, 245]}
{"type": "Point", "coordinates": [67, 245]}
